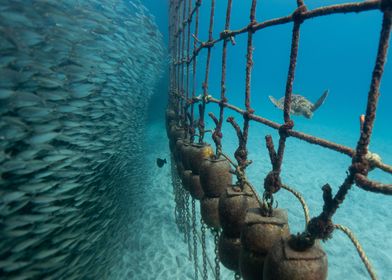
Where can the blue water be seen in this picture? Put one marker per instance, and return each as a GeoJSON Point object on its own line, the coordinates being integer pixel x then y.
{"type": "Point", "coordinates": [336, 52]}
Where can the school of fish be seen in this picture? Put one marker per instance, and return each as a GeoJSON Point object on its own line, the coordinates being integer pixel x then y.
{"type": "Point", "coordinates": [75, 80]}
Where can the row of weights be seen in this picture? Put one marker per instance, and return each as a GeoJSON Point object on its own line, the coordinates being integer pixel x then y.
{"type": "Point", "coordinates": [252, 244]}
{"type": "Point", "coordinates": [258, 246]}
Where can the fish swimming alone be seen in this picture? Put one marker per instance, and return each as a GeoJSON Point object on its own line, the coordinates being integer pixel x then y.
{"type": "Point", "coordinates": [161, 162]}
{"type": "Point", "coordinates": [300, 106]}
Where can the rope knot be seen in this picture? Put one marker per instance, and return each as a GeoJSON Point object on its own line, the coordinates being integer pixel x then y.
{"type": "Point", "coordinates": [284, 128]}
{"type": "Point", "coordinates": [225, 34]}
{"type": "Point", "coordinates": [251, 26]}
{"type": "Point", "coordinates": [216, 137]}
{"type": "Point", "coordinates": [246, 115]}
{"type": "Point", "coordinates": [301, 241]}
{"type": "Point", "coordinates": [241, 155]}
{"type": "Point", "coordinates": [207, 98]}
{"type": "Point", "coordinates": [321, 227]}
{"type": "Point", "coordinates": [198, 3]}
{"type": "Point", "coordinates": [298, 14]}
{"type": "Point", "coordinates": [359, 167]}
{"type": "Point", "coordinates": [248, 112]}
{"type": "Point", "coordinates": [272, 182]}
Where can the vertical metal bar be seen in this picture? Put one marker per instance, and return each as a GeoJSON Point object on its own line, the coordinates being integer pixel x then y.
{"type": "Point", "coordinates": [224, 59]}
{"type": "Point", "coordinates": [291, 72]}
{"type": "Point", "coordinates": [205, 84]}
{"type": "Point", "coordinates": [184, 16]}
{"type": "Point", "coordinates": [248, 74]}
{"type": "Point", "coordinates": [192, 131]}
{"type": "Point", "coordinates": [374, 93]}
{"type": "Point", "coordinates": [178, 56]}
{"type": "Point", "coordinates": [188, 48]}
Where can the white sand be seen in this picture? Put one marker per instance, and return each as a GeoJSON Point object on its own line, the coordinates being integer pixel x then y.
{"type": "Point", "coordinates": [155, 248]}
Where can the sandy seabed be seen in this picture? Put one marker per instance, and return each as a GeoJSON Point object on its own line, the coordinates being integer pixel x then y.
{"type": "Point", "coordinates": [156, 249]}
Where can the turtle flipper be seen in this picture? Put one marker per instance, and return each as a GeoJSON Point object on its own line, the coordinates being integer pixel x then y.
{"type": "Point", "coordinates": [275, 102]}
{"type": "Point", "coordinates": [320, 101]}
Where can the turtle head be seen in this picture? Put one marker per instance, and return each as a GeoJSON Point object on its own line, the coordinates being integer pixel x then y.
{"type": "Point", "coordinates": [308, 114]}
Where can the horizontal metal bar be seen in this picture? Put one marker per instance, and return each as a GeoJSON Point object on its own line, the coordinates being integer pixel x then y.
{"type": "Point", "coordinates": [368, 185]}
{"type": "Point", "coordinates": [296, 134]}
{"type": "Point", "coordinates": [322, 11]}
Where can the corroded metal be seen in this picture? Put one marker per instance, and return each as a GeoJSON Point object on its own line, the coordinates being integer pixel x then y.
{"type": "Point", "coordinates": [229, 251]}
{"type": "Point", "coordinates": [284, 263]}
{"type": "Point", "coordinates": [185, 155]}
{"type": "Point", "coordinates": [258, 235]}
{"type": "Point", "coordinates": [233, 204]}
{"type": "Point", "coordinates": [209, 210]}
{"type": "Point", "coordinates": [186, 179]}
{"type": "Point", "coordinates": [195, 188]}
{"type": "Point", "coordinates": [215, 176]}
{"type": "Point", "coordinates": [197, 156]}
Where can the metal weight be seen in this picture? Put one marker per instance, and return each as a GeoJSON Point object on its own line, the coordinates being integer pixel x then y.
{"type": "Point", "coordinates": [179, 143]}
{"type": "Point", "coordinates": [198, 153]}
{"type": "Point", "coordinates": [195, 188]}
{"type": "Point", "coordinates": [209, 209]}
{"type": "Point", "coordinates": [186, 179]}
{"type": "Point", "coordinates": [285, 263]}
{"type": "Point", "coordinates": [233, 204]}
{"type": "Point", "coordinates": [215, 176]}
{"type": "Point", "coordinates": [185, 155]}
{"type": "Point", "coordinates": [229, 251]}
{"type": "Point", "coordinates": [258, 235]}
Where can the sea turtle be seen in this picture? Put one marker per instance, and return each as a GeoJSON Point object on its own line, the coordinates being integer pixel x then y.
{"type": "Point", "coordinates": [300, 106]}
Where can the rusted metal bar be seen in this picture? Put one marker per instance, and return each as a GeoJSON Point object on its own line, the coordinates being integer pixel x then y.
{"type": "Point", "coordinates": [190, 16]}
{"type": "Point", "coordinates": [272, 182]}
{"type": "Point", "coordinates": [217, 134]}
{"type": "Point", "coordinates": [321, 226]}
{"type": "Point", "coordinates": [178, 57]}
{"type": "Point", "coordinates": [171, 45]}
{"type": "Point", "coordinates": [271, 151]}
{"type": "Point", "coordinates": [242, 150]}
{"type": "Point", "coordinates": [249, 56]}
{"type": "Point", "coordinates": [186, 104]}
{"type": "Point", "coordinates": [374, 88]}
{"type": "Point", "coordinates": [201, 124]}
{"type": "Point", "coordinates": [288, 123]}
{"type": "Point", "coordinates": [322, 11]}
{"type": "Point", "coordinates": [183, 59]}
{"type": "Point", "coordinates": [188, 49]}
{"type": "Point", "coordinates": [359, 162]}
{"type": "Point", "coordinates": [366, 184]}
{"type": "Point", "coordinates": [297, 134]}
{"type": "Point", "coordinates": [194, 67]}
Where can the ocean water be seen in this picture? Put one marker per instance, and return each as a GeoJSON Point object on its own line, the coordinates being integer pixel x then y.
{"type": "Point", "coordinates": [83, 90]}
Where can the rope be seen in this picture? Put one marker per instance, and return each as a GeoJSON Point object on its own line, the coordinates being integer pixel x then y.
{"type": "Point", "coordinates": [301, 200]}
{"type": "Point", "coordinates": [360, 250]}
{"type": "Point", "coordinates": [237, 170]}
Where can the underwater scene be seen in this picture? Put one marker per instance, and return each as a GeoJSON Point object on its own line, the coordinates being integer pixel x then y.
{"type": "Point", "coordinates": [195, 139]}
